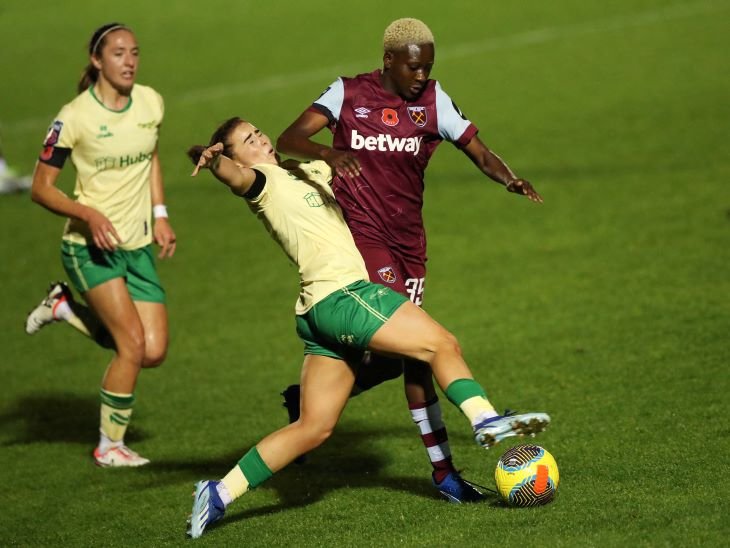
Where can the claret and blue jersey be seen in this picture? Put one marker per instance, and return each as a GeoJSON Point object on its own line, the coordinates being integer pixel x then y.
{"type": "Point", "coordinates": [393, 139]}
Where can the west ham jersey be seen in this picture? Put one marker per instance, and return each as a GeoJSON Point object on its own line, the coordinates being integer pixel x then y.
{"type": "Point", "coordinates": [393, 139]}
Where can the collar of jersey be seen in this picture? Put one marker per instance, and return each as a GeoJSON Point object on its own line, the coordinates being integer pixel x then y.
{"type": "Point", "coordinates": [126, 107]}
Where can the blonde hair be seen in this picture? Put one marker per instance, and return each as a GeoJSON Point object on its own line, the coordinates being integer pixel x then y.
{"type": "Point", "coordinates": [405, 32]}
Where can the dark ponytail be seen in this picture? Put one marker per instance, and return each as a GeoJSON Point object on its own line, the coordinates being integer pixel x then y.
{"type": "Point", "coordinates": [195, 152]}
{"type": "Point", "coordinates": [221, 135]}
{"type": "Point", "coordinates": [90, 74]}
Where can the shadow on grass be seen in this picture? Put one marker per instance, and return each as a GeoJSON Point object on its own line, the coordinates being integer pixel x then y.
{"type": "Point", "coordinates": [59, 417]}
{"type": "Point", "coordinates": [346, 461]}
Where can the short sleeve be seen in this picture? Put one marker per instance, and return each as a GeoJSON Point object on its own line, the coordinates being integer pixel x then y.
{"type": "Point", "coordinates": [330, 102]}
{"type": "Point", "coordinates": [61, 132]}
{"type": "Point", "coordinates": [452, 124]}
{"type": "Point", "coordinates": [60, 139]}
{"type": "Point", "coordinates": [161, 102]}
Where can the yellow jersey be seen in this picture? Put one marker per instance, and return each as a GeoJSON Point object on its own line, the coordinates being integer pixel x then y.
{"type": "Point", "coordinates": [112, 153]}
{"type": "Point", "coordinates": [299, 210]}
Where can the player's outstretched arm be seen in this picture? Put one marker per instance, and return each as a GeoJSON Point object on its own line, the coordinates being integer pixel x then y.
{"type": "Point", "coordinates": [493, 167]}
{"type": "Point", "coordinates": [296, 141]}
{"type": "Point", "coordinates": [238, 178]}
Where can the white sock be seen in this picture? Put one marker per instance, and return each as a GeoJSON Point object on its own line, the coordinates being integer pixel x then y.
{"type": "Point", "coordinates": [62, 310]}
{"type": "Point", "coordinates": [223, 493]}
{"type": "Point", "coordinates": [105, 443]}
{"type": "Point", "coordinates": [484, 416]}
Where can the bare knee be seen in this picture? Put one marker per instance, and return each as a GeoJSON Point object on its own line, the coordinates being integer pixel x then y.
{"type": "Point", "coordinates": [448, 345]}
{"type": "Point", "coordinates": [154, 356]}
{"type": "Point", "coordinates": [131, 345]}
{"type": "Point", "coordinates": [314, 434]}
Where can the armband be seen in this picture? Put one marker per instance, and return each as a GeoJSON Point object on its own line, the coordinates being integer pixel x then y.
{"type": "Point", "coordinates": [159, 211]}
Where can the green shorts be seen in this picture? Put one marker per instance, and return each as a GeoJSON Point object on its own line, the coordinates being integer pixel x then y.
{"type": "Point", "coordinates": [89, 266]}
{"type": "Point", "coordinates": [341, 325]}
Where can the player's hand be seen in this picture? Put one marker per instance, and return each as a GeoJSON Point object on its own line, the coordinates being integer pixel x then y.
{"type": "Point", "coordinates": [343, 163]}
{"type": "Point", "coordinates": [208, 158]}
{"type": "Point", "coordinates": [164, 237]}
{"type": "Point", "coordinates": [102, 231]}
{"type": "Point", "coordinates": [520, 186]}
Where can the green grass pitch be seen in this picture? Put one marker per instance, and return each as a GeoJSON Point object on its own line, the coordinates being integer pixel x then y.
{"type": "Point", "coordinates": [607, 306]}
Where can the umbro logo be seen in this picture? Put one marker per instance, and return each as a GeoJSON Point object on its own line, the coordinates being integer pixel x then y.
{"type": "Point", "coordinates": [362, 112]}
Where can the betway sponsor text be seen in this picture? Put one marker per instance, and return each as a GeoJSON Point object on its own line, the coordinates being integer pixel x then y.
{"type": "Point", "coordinates": [385, 143]}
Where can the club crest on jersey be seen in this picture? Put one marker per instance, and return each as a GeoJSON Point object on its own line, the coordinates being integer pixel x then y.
{"type": "Point", "coordinates": [314, 199]}
{"type": "Point", "coordinates": [387, 274]}
{"type": "Point", "coordinates": [362, 112]}
{"type": "Point", "coordinates": [418, 115]}
{"type": "Point", "coordinates": [389, 117]}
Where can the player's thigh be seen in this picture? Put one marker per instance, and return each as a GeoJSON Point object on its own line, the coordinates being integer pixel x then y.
{"type": "Point", "coordinates": [143, 281]}
{"type": "Point", "coordinates": [346, 319]}
{"type": "Point", "coordinates": [154, 322]}
{"type": "Point", "coordinates": [410, 332]}
{"type": "Point", "coordinates": [88, 266]}
{"type": "Point", "coordinates": [113, 305]}
{"type": "Point", "coordinates": [326, 384]}
{"type": "Point", "coordinates": [148, 295]}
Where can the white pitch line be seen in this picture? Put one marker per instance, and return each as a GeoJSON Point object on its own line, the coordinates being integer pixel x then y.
{"type": "Point", "coordinates": [326, 75]}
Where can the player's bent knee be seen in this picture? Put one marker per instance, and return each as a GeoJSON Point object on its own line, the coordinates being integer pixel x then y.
{"type": "Point", "coordinates": [449, 344]}
{"type": "Point", "coordinates": [154, 358]}
{"type": "Point", "coordinates": [314, 434]}
{"type": "Point", "coordinates": [131, 346]}
{"type": "Point", "coordinates": [323, 435]}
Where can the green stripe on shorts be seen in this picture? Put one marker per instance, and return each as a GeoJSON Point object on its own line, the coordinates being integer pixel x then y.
{"type": "Point", "coordinates": [88, 266]}
{"type": "Point", "coordinates": [341, 325]}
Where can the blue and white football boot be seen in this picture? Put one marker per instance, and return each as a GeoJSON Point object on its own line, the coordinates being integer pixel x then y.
{"type": "Point", "coordinates": [491, 431]}
{"type": "Point", "coordinates": [207, 507]}
{"type": "Point", "coordinates": [457, 490]}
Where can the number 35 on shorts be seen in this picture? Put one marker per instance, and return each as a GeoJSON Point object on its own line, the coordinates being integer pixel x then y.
{"type": "Point", "coordinates": [414, 286]}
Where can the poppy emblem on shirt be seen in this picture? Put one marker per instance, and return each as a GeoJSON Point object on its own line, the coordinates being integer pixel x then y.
{"type": "Point", "coordinates": [387, 274]}
{"type": "Point", "coordinates": [418, 115]}
{"type": "Point", "coordinates": [390, 117]}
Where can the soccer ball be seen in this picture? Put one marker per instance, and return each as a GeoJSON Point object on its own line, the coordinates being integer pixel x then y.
{"type": "Point", "coordinates": [527, 475]}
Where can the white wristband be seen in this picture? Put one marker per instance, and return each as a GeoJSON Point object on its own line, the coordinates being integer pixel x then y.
{"type": "Point", "coordinates": [159, 211]}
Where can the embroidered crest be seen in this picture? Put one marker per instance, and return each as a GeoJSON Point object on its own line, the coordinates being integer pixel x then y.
{"type": "Point", "coordinates": [390, 117]}
{"type": "Point", "coordinates": [418, 115]}
{"type": "Point", "coordinates": [314, 199]}
{"type": "Point", "coordinates": [387, 274]}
